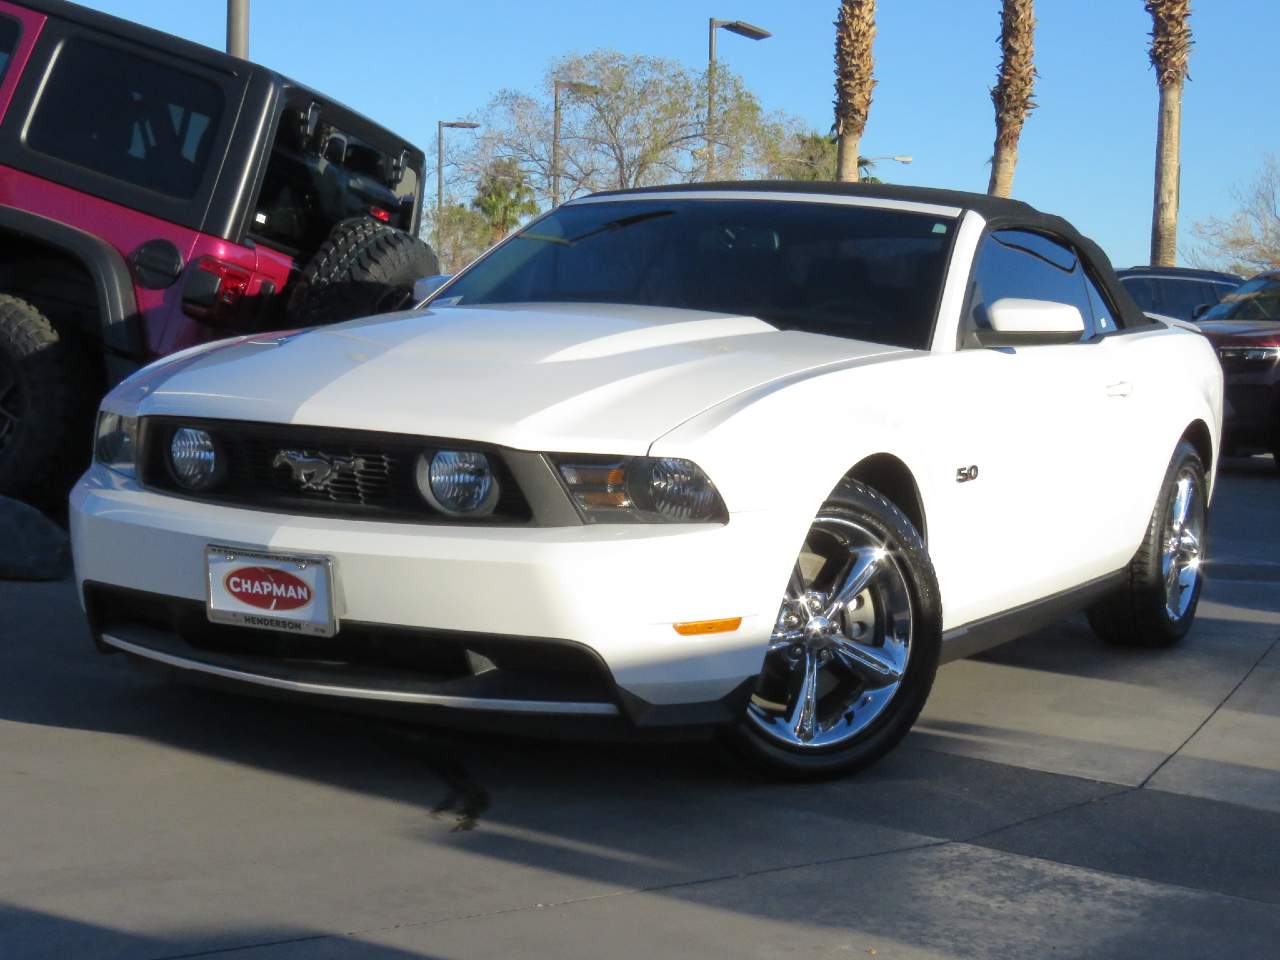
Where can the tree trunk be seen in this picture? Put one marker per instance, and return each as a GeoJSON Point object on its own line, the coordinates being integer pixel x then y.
{"type": "Point", "coordinates": [847, 158]}
{"type": "Point", "coordinates": [1002, 166]}
{"type": "Point", "coordinates": [1164, 214]}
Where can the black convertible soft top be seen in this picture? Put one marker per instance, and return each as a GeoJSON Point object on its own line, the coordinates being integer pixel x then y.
{"type": "Point", "coordinates": [1000, 213]}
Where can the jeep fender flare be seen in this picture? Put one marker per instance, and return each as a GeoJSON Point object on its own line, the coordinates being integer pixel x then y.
{"type": "Point", "coordinates": [120, 324]}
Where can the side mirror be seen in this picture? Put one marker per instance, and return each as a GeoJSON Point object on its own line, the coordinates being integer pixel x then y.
{"type": "Point", "coordinates": [424, 287]}
{"type": "Point", "coordinates": [1019, 322]}
{"type": "Point", "coordinates": [1201, 310]}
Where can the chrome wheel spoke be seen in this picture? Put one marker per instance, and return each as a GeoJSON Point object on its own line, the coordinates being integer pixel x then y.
{"type": "Point", "coordinates": [861, 572]}
{"type": "Point", "coordinates": [1181, 506]}
{"type": "Point", "coordinates": [802, 709]}
{"type": "Point", "coordinates": [872, 664]}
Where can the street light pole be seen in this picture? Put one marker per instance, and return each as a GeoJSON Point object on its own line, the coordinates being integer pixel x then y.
{"type": "Point", "coordinates": [238, 28]}
{"type": "Point", "coordinates": [440, 125]}
{"type": "Point", "coordinates": [574, 87]}
{"type": "Point", "coordinates": [742, 29]}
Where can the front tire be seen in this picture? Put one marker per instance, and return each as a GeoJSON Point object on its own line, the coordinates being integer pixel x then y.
{"type": "Point", "coordinates": [855, 649]}
{"type": "Point", "coordinates": [1158, 604]}
{"type": "Point", "coordinates": [46, 402]}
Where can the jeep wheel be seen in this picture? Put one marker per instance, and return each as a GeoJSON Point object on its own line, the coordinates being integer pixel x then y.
{"type": "Point", "coordinates": [1158, 604]}
{"type": "Point", "coordinates": [364, 268]}
{"type": "Point", "coordinates": [855, 646]}
{"type": "Point", "coordinates": [45, 396]}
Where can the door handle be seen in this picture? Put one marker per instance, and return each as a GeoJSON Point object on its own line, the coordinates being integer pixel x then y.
{"type": "Point", "coordinates": [1121, 389]}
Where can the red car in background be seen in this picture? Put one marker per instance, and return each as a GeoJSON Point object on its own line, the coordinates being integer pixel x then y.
{"type": "Point", "coordinates": [1245, 330]}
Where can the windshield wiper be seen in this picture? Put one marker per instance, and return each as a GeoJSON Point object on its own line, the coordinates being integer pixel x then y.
{"type": "Point", "coordinates": [619, 224]}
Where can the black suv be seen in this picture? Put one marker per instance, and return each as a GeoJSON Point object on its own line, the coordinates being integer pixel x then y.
{"type": "Point", "coordinates": [1177, 291]}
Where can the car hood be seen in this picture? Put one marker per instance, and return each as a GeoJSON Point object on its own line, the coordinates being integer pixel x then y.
{"type": "Point", "coordinates": [574, 377]}
{"type": "Point", "coordinates": [1231, 331]}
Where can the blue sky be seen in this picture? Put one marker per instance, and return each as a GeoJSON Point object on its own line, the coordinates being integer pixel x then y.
{"type": "Point", "coordinates": [1087, 152]}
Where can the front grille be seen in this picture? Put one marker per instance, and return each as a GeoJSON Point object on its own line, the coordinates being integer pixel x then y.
{"type": "Point", "coordinates": [376, 482]}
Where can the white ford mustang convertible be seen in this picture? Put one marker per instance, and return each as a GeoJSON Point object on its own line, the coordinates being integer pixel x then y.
{"type": "Point", "coordinates": [756, 457]}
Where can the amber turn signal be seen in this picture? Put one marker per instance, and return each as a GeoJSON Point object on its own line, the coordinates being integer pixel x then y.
{"type": "Point", "coordinates": [699, 627]}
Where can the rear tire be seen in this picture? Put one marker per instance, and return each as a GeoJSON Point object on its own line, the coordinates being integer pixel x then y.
{"type": "Point", "coordinates": [46, 401]}
{"type": "Point", "coordinates": [855, 649]}
{"type": "Point", "coordinates": [1156, 607]}
{"type": "Point", "coordinates": [363, 269]}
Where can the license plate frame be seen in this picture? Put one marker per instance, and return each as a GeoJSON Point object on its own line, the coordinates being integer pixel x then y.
{"type": "Point", "coordinates": [315, 618]}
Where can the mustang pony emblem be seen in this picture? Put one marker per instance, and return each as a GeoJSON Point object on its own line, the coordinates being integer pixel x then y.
{"type": "Point", "coordinates": [315, 471]}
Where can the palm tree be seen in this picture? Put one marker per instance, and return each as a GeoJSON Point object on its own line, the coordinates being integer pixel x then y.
{"type": "Point", "coordinates": [1012, 92]}
{"type": "Point", "coordinates": [855, 30]}
{"type": "Point", "coordinates": [1170, 48]}
{"type": "Point", "coordinates": [504, 197]}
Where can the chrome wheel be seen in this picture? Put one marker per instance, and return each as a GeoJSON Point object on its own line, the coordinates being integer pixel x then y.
{"type": "Point", "coordinates": [1182, 544]}
{"type": "Point", "coordinates": [840, 647]}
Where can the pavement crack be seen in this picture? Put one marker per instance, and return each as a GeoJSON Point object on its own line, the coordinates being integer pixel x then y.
{"type": "Point", "coordinates": [1212, 713]}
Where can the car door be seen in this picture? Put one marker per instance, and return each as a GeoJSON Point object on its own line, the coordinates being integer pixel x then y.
{"type": "Point", "coordinates": [1030, 428]}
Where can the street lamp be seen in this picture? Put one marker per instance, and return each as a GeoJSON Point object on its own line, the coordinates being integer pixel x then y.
{"type": "Point", "coordinates": [440, 125]}
{"type": "Point", "coordinates": [581, 90]}
{"type": "Point", "coordinates": [742, 29]}
{"type": "Point", "coordinates": [897, 158]}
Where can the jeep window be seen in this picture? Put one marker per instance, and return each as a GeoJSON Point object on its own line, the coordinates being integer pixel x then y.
{"type": "Point", "coordinates": [9, 33]}
{"type": "Point", "coordinates": [838, 269]}
{"type": "Point", "coordinates": [1018, 263]}
{"type": "Point", "coordinates": [127, 117]}
{"type": "Point", "coordinates": [312, 183]}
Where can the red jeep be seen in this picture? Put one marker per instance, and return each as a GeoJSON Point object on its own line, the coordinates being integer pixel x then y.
{"type": "Point", "coordinates": [156, 194]}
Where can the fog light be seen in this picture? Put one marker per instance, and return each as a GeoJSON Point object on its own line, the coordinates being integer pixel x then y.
{"type": "Point", "coordinates": [458, 482]}
{"type": "Point", "coordinates": [193, 458]}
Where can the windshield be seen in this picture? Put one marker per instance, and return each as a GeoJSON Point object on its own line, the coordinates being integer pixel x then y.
{"type": "Point", "coordinates": [830, 268]}
{"type": "Point", "coordinates": [1256, 299]}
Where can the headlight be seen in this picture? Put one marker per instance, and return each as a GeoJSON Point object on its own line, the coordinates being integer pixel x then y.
{"type": "Point", "coordinates": [116, 443]}
{"type": "Point", "coordinates": [640, 490]}
{"type": "Point", "coordinates": [458, 482]}
{"type": "Point", "coordinates": [193, 459]}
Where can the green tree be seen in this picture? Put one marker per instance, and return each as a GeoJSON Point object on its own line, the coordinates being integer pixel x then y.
{"type": "Point", "coordinates": [459, 235]}
{"type": "Point", "coordinates": [1012, 94]}
{"type": "Point", "coordinates": [504, 197]}
{"type": "Point", "coordinates": [812, 156]}
{"type": "Point", "coordinates": [1169, 52]}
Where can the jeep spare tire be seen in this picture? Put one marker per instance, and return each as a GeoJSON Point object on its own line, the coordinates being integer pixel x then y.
{"type": "Point", "coordinates": [364, 268]}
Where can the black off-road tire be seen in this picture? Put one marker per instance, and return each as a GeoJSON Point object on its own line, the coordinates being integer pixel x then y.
{"type": "Point", "coordinates": [866, 506]}
{"type": "Point", "coordinates": [48, 395]}
{"type": "Point", "coordinates": [364, 268]}
{"type": "Point", "coordinates": [1137, 614]}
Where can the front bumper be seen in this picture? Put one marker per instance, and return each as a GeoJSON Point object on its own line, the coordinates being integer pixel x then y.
{"type": "Point", "coordinates": [506, 597]}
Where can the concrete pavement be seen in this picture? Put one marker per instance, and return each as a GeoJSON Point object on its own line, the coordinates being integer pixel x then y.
{"type": "Point", "coordinates": [1058, 798]}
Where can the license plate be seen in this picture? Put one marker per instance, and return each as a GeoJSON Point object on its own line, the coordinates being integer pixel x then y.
{"type": "Point", "coordinates": [271, 591]}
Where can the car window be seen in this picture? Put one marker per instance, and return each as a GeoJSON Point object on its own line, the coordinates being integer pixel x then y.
{"type": "Point", "coordinates": [9, 33]}
{"type": "Point", "coordinates": [127, 117]}
{"type": "Point", "coordinates": [1179, 298]}
{"type": "Point", "coordinates": [1104, 320]}
{"type": "Point", "coordinates": [829, 268]}
{"type": "Point", "coordinates": [1220, 290]}
{"type": "Point", "coordinates": [313, 182]}
{"type": "Point", "coordinates": [1021, 264]}
{"type": "Point", "coordinates": [1256, 299]}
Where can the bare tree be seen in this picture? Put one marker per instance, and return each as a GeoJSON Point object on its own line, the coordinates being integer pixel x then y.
{"type": "Point", "coordinates": [1012, 94]}
{"type": "Point", "coordinates": [631, 121]}
{"type": "Point", "coordinates": [1169, 53]}
{"type": "Point", "coordinates": [1249, 240]}
{"type": "Point", "coordinates": [855, 30]}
